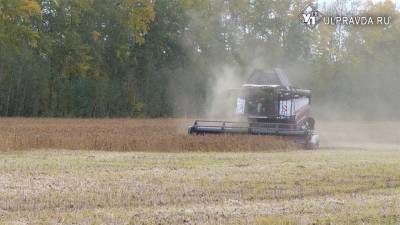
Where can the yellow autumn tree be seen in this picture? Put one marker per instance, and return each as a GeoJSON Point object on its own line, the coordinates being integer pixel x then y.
{"type": "Point", "coordinates": [15, 22]}
{"type": "Point", "coordinates": [135, 16]}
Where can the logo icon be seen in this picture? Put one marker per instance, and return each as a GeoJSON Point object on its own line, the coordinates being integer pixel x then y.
{"type": "Point", "coordinates": [310, 16]}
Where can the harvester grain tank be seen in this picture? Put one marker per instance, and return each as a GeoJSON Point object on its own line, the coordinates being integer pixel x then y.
{"type": "Point", "coordinates": [267, 104]}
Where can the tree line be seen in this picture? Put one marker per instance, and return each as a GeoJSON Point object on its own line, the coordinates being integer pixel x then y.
{"type": "Point", "coordinates": [159, 58]}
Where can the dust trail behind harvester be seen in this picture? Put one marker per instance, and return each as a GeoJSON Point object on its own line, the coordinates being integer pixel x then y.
{"type": "Point", "coordinates": [359, 134]}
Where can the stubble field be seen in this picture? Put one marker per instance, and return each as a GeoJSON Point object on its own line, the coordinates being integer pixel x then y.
{"type": "Point", "coordinates": [75, 171]}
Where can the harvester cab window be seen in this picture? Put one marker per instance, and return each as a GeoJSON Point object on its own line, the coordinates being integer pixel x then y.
{"type": "Point", "coordinates": [260, 103]}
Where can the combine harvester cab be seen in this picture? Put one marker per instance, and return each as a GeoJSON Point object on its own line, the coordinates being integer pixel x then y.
{"type": "Point", "coordinates": [268, 105]}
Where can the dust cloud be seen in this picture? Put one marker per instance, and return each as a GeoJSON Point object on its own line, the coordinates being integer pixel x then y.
{"type": "Point", "coordinates": [355, 93]}
{"type": "Point", "coordinates": [221, 101]}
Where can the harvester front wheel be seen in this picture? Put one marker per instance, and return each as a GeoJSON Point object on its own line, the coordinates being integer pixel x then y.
{"type": "Point", "coordinates": [309, 124]}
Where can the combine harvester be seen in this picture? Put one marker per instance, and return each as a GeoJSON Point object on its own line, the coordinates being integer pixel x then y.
{"type": "Point", "coordinates": [268, 105]}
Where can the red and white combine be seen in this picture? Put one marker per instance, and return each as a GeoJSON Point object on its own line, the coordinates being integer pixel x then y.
{"type": "Point", "coordinates": [267, 104]}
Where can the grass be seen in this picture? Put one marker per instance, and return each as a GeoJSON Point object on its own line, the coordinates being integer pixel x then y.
{"type": "Point", "coordinates": [298, 187]}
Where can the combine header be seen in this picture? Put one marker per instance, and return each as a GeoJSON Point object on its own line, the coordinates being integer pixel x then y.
{"type": "Point", "coordinates": [268, 105]}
